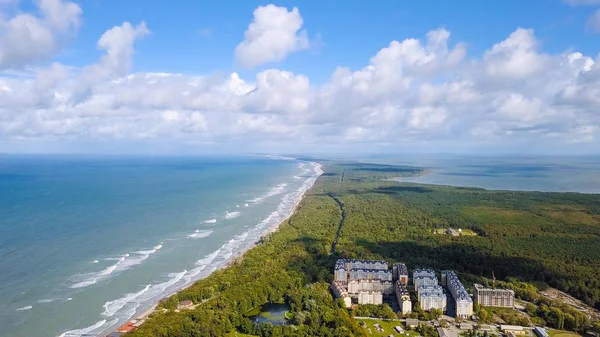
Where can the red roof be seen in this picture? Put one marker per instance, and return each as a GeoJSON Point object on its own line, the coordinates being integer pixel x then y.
{"type": "Point", "coordinates": [127, 327]}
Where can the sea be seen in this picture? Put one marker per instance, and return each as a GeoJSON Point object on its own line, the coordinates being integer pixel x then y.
{"type": "Point", "coordinates": [521, 173]}
{"type": "Point", "coordinates": [87, 243]}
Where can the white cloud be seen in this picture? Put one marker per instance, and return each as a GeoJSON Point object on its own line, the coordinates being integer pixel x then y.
{"type": "Point", "coordinates": [516, 57]}
{"type": "Point", "coordinates": [27, 39]}
{"type": "Point", "coordinates": [415, 92]}
{"type": "Point", "coordinates": [593, 23]}
{"type": "Point", "coordinates": [273, 34]}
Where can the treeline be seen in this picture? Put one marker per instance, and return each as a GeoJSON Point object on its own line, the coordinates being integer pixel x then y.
{"type": "Point", "coordinates": [536, 238]}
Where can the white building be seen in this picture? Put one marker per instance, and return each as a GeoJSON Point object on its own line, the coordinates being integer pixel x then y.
{"type": "Point", "coordinates": [464, 303]}
{"type": "Point", "coordinates": [425, 281]}
{"type": "Point", "coordinates": [386, 287]}
{"type": "Point", "coordinates": [489, 297]}
{"type": "Point", "coordinates": [339, 290]}
{"type": "Point", "coordinates": [403, 298]}
{"type": "Point", "coordinates": [432, 297]}
{"type": "Point", "coordinates": [370, 297]}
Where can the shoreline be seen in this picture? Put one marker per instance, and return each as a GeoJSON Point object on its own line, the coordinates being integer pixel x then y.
{"type": "Point", "coordinates": [271, 229]}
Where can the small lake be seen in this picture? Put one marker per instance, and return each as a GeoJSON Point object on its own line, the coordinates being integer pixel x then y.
{"type": "Point", "coordinates": [271, 312]}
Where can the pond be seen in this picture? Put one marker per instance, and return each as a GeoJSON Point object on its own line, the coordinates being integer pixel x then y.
{"type": "Point", "coordinates": [270, 312]}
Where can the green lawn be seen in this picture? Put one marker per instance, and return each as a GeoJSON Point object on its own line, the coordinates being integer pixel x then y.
{"type": "Point", "coordinates": [388, 328]}
{"type": "Point", "coordinates": [560, 333]}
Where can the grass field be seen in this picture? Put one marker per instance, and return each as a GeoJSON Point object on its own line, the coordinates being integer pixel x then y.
{"type": "Point", "coordinates": [388, 329]}
{"type": "Point", "coordinates": [560, 333]}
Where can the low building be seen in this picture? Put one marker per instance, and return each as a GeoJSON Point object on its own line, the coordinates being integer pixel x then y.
{"type": "Point", "coordinates": [489, 297]}
{"type": "Point", "coordinates": [453, 232]}
{"type": "Point", "coordinates": [411, 323]}
{"type": "Point", "coordinates": [432, 298]}
{"type": "Point", "coordinates": [465, 326]}
{"type": "Point", "coordinates": [400, 273]}
{"type": "Point", "coordinates": [403, 298]}
{"type": "Point", "coordinates": [514, 329]}
{"type": "Point", "coordinates": [185, 304]}
{"type": "Point", "coordinates": [540, 332]}
{"type": "Point", "coordinates": [446, 333]}
{"type": "Point", "coordinates": [398, 329]}
{"type": "Point", "coordinates": [127, 327]}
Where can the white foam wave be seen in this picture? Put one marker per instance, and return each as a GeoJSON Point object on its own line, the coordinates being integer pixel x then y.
{"type": "Point", "coordinates": [128, 304]}
{"type": "Point", "coordinates": [27, 307]}
{"type": "Point", "coordinates": [95, 261]}
{"type": "Point", "coordinates": [246, 205]}
{"type": "Point", "coordinates": [87, 331]}
{"type": "Point", "coordinates": [198, 234]}
{"type": "Point", "coordinates": [210, 221]}
{"type": "Point", "coordinates": [48, 300]}
{"type": "Point", "coordinates": [272, 192]}
{"type": "Point", "coordinates": [201, 265]}
{"type": "Point", "coordinates": [124, 262]}
{"type": "Point", "coordinates": [232, 215]}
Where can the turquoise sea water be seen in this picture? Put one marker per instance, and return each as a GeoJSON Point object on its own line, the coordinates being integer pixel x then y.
{"type": "Point", "coordinates": [88, 243]}
{"type": "Point", "coordinates": [529, 173]}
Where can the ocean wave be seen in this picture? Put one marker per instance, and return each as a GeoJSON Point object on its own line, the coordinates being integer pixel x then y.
{"type": "Point", "coordinates": [87, 331]}
{"type": "Point", "coordinates": [126, 306]}
{"type": "Point", "coordinates": [95, 261]}
{"type": "Point", "coordinates": [210, 221]}
{"type": "Point", "coordinates": [129, 303]}
{"type": "Point", "coordinates": [246, 205]}
{"type": "Point", "coordinates": [232, 215]}
{"type": "Point", "coordinates": [48, 300]}
{"type": "Point", "coordinates": [201, 265]}
{"type": "Point", "coordinates": [27, 307]}
{"type": "Point", "coordinates": [124, 262]}
{"type": "Point", "coordinates": [198, 234]}
{"type": "Point", "coordinates": [272, 192]}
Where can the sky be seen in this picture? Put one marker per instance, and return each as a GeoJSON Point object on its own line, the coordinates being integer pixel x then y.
{"type": "Point", "coordinates": [190, 77]}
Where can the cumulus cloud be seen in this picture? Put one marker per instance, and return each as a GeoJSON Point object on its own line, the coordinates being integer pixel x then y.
{"type": "Point", "coordinates": [422, 90]}
{"type": "Point", "coordinates": [27, 38]}
{"type": "Point", "coordinates": [273, 34]}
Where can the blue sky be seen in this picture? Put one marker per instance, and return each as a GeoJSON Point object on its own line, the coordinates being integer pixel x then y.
{"type": "Point", "coordinates": [351, 31]}
{"type": "Point", "coordinates": [490, 76]}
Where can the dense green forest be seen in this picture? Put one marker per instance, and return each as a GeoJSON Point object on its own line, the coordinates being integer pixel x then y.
{"type": "Point", "coordinates": [530, 240]}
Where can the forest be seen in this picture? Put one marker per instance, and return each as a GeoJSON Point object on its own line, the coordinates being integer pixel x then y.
{"type": "Point", "coordinates": [529, 240]}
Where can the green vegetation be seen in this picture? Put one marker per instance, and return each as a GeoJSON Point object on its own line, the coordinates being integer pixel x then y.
{"type": "Point", "coordinates": [528, 239]}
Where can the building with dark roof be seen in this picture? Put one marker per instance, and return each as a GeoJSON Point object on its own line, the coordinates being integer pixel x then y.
{"type": "Point", "coordinates": [464, 303]}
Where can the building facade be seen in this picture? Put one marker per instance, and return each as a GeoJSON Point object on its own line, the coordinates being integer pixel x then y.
{"type": "Point", "coordinates": [432, 297]}
{"type": "Point", "coordinates": [403, 298]}
{"type": "Point", "coordinates": [386, 287]}
{"type": "Point", "coordinates": [339, 290]}
{"type": "Point", "coordinates": [464, 303]}
{"type": "Point", "coordinates": [370, 297]}
{"type": "Point", "coordinates": [489, 297]}
{"type": "Point", "coordinates": [400, 273]}
{"type": "Point", "coordinates": [425, 281]}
